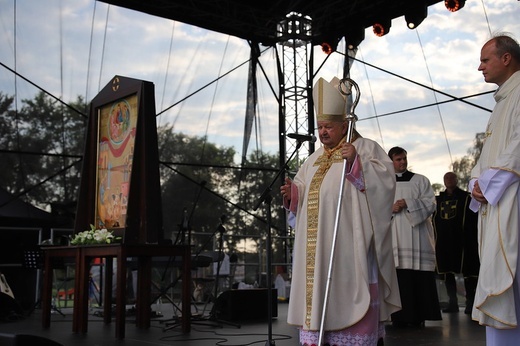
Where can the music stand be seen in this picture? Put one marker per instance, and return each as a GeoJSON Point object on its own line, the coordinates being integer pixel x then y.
{"type": "Point", "coordinates": [216, 322]}
{"type": "Point", "coordinates": [33, 259]}
{"type": "Point", "coordinates": [163, 291]}
{"type": "Point", "coordinates": [197, 261]}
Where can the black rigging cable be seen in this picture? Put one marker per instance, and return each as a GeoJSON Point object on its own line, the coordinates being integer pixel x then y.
{"type": "Point", "coordinates": [90, 51]}
{"type": "Point", "coordinates": [424, 86]}
{"type": "Point", "coordinates": [61, 108]}
{"type": "Point", "coordinates": [45, 91]}
{"type": "Point", "coordinates": [435, 96]}
{"type": "Point", "coordinates": [17, 120]}
{"type": "Point", "coordinates": [25, 191]}
{"type": "Point", "coordinates": [373, 102]}
{"type": "Point", "coordinates": [205, 138]}
{"type": "Point", "coordinates": [487, 20]}
{"type": "Point", "coordinates": [188, 87]}
{"type": "Point", "coordinates": [426, 105]}
{"type": "Point", "coordinates": [206, 85]}
{"type": "Point", "coordinates": [167, 66]}
{"type": "Point", "coordinates": [203, 87]}
{"type": "Point", "coordinates": [245, 210]}
{"type": "Point", "coordinates": [103, 49]}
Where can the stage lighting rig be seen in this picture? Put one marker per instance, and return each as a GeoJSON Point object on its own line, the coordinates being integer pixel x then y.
{"type": "Point", "coordinates": [415, 16]}
{"type": "Point", "coordinates": [382, 27]}
{"type": "Point", "coordinates": [354, 37]}
{"type": "Point", "coordinates": [329, 44]}
{"type": "Point", "coordinates": [454, 5]}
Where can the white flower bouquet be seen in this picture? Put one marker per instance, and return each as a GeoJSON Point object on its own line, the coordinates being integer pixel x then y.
{"type": "Point", "coordinates": [93, 236]}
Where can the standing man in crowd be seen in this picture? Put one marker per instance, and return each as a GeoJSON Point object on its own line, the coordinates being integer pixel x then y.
{"type": "Point", "coordinates": [495, 188]}
{"type": "Point", "coordinates": [414, 245]}
{"type": "Point", "coordinates": [456, 244]}
{"type": "Point", "coordinates": [363, 284]}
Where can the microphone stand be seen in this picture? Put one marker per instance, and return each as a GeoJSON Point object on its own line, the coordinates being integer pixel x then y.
{"type": "Point", "coordinates": [213, 313]}
{"type": "Point", "coordinates": [267, 197]}
{"type": "Point", "coordinates": [184, 227]}
{"type": "Point", "coordinates": [180, 239]}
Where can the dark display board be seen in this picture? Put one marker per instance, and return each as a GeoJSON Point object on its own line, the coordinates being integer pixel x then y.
{"type": "Point", "coordinates": [120, 188]}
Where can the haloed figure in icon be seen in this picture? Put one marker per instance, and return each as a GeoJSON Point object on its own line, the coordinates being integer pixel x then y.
{"type": "Point", "coordinates": [363, 285]}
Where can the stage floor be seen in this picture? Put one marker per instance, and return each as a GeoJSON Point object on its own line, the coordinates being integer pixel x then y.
{"type": "Point", "coordinates": [454, 329]}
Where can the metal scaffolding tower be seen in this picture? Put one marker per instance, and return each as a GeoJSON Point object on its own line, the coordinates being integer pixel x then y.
{"type": "Point", "coordinates": [295, 113]}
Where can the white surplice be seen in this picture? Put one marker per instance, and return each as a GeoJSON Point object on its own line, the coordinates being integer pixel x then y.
{"type": "Point", "coordinates": [498, 171]}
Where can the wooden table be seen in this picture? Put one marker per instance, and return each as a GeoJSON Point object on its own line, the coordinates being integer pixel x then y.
{"type": "Point", "coordinates": [144, 254]}
{"type": "Point", "coordinates": [51, 253]}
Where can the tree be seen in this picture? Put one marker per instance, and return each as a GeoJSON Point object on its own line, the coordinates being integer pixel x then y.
{"type": "Point", "coordinates": [42, 143]}
{"type": "Point", "coordinates": [255, 182]}
{"type": "Point", "coordinates": [203, 179]}
{"type": "Point", "coordinates": [462, 168]}
{"type": "Point", "coordinates": [200, 182]}
{"type": "Point", "coordinates": [437, 188]}
{"type": "Point", "coordinates": [194, 174]}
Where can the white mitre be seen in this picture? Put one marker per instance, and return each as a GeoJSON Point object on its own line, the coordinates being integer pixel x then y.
{"type": "Point", "coordinates": [329, 103]}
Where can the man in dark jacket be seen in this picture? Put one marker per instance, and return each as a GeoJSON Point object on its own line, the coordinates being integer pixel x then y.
{"type": "Point", "coordinates": [456, 242]}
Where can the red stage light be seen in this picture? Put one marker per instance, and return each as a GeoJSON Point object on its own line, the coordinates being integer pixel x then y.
{"type": "Point", "coordinates": [454, 5]}
{"type": "Point", "coordinates": [327, 48]}
{"type": "Point", "coordinates": [381, 28]}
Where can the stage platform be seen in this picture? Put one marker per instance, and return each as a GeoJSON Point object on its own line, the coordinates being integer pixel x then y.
{"type": "Point", "coordinates": [455, 329]}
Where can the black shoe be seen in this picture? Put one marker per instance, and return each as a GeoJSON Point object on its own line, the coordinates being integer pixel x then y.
{"type": "Point", "coordinates": [399, 324]}
{"type": "Point", "coordinates": [450, 309]}
{"type": "Point", "coordinates": [469, 306]}
{"type": "Point", "coordinates": [417, 324]}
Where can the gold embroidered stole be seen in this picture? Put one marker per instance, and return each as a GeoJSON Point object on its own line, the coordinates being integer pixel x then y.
{"type": "Point", "coordinates": [324, 162]}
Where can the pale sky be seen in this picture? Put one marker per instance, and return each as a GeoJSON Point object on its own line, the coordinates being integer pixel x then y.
{"type": "Point", "coordinates": [72, 48]}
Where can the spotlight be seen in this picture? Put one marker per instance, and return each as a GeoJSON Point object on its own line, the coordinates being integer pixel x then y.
{"type": "Point", "coordinates": [327, 48]}
{"type": "Point", "coordinates": [454, 5]}
{"type": "Point", "coordinates": [382, 27]}
{"type": "Point", "coordinates": [354, 37]}
{"type": "Point", "coordinates": [415, 16]}
{"type": "Point", "coordinates": [329, 44]}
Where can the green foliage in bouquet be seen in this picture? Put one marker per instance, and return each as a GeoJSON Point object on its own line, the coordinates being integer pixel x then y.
{"type": "Point", "coordinates": [94, 236]}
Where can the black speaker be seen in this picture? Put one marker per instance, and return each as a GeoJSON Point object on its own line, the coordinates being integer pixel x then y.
{"type": "Point", "coordinates": [10, 310]}
{"type": "Point", "coordinates": [245, 304]}
{"type": "Point", "coordinates": [23, 283]}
